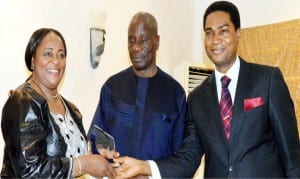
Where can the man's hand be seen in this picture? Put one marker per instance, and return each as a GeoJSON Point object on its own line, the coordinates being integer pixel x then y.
{"type": "Point", "coordinates": [131, 167]}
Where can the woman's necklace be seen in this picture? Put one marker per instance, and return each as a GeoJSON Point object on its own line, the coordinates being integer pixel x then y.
{"type": "Point", "coordinates": [41, 88]}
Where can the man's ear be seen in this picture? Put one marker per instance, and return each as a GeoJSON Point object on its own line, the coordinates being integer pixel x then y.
{"type": "Point", "coordinates": [157, 38]}
{"type": "Point", "coordinates": [238, 32]}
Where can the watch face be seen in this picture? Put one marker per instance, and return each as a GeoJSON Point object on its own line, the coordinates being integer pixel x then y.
{"type": "Point", "coordinates": [97, 42]}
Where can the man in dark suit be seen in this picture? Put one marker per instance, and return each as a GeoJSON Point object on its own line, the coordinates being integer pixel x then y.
{"type": "Point", "coordinates": [252, 133]}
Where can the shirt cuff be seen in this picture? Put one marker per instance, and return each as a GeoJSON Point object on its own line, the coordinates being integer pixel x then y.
{"type": "Point", "coordinates": [154, 170]}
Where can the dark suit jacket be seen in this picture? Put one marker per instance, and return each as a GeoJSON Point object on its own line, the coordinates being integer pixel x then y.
{"type": "Point", "coordinates": [264, 140]}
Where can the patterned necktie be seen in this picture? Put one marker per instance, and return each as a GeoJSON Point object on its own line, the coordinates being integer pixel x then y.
{"type": "Point", "coordinates": [226, 106]}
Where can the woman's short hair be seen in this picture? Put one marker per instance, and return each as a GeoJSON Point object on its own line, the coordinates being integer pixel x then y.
{"type": "Point", "coordinates": [35, 41]}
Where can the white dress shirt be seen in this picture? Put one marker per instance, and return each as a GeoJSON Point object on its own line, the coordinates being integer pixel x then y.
{"type": "Point", "coordinates": [233, 74]}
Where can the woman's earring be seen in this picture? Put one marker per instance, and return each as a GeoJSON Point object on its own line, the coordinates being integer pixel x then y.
{"type": "Point", "coordinates": [32, 66]}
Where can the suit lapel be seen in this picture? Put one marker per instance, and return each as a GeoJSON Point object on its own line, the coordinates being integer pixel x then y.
{"type": "Point", "coordinates": [243, 89]}
{"type": "Point", "coordinates": [211, 92]}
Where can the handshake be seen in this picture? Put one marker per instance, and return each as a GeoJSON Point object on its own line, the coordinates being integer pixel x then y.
{"type": "Point", "coordinates": [128, 167]}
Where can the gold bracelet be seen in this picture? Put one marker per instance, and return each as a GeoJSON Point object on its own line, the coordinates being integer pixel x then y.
{"type": "Point", "coordinates": [79, 164]}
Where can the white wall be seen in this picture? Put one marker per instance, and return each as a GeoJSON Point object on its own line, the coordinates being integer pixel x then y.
{"type": "Point", "coordinates": [180, 28]}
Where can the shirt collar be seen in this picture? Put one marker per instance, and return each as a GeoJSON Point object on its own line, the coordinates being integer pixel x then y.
{"type": "Point", "coordinates": [232, 73]}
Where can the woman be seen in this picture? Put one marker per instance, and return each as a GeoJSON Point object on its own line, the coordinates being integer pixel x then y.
{"type": "Point", "coordinates": [43, 132]}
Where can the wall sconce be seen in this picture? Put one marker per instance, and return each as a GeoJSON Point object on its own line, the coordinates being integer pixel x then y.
{"type": "Point", "coordinates": [97, 43]}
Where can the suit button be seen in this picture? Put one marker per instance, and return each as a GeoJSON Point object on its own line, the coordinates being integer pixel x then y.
{"type": "Point", "coordinates": [230, 168]}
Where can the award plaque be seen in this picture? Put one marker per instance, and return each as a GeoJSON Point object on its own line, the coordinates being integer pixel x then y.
{"type": "Point", "coordinates": [101, 140]}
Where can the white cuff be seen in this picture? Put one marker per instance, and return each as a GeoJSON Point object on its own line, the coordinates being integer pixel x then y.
{"type": "Point", "coordinates": [154, 170]}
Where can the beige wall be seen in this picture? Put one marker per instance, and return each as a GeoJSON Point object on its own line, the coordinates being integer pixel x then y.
{"type": "Point", "coordinates": [180, 27]}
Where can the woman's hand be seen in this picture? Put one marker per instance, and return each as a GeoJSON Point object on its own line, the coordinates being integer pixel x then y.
{"type": "Point", "coordinates": [94, 165]}
{"type": "Point", "coordinates": [109, 154]}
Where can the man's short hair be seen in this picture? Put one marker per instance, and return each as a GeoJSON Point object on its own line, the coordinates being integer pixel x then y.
{"type": "Point", "coordinates": [226, 7]}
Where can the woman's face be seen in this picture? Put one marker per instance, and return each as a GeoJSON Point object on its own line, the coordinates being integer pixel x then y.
{"type": "Point", "coordinates": [49, 61]}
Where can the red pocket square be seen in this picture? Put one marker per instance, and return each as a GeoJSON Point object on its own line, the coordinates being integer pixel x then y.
{"type": "Point", "coordinates": [253, 103]}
